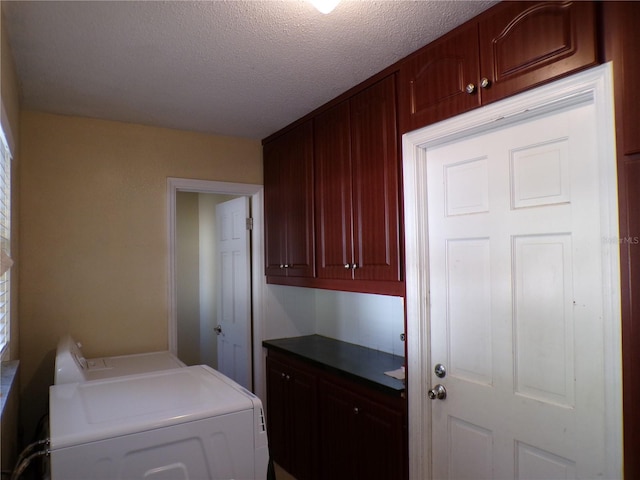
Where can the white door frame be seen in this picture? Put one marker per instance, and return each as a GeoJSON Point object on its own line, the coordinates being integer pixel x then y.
{"type": "Point", "coordinates": [255, 192]}
{"type": "Point", "coordinates": [592, 85]}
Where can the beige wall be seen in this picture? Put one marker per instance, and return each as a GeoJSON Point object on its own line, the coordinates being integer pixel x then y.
{"type": "Point", "coordinates": [94, 232]}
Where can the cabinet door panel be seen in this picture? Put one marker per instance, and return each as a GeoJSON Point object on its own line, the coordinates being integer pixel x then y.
{"type": "Point", "coordinates": [524, 44]}
{"type": "Point", "coordinates": [332, 165]}
{"type": "Point", "coordinates": [302, 410]}
{"type": "Point", "coordinates": [360, 438]}
{"type": "Point", "coordinates": [381, 441]}
{"type": "Point", "coordinates": [375, 170]}
{"type": "Point", "coordinates": [338, 437]}
{"type": "Point", "coordinates": [299, 206]}
{"type": "Point", "coordinates": [276, 414]}
{"type": "Point", "coordinates": [291, 418]}
{"type": "Point", "coordinates": [432, 83]}
{"type": "Point", "coordinates": [288, 203]}
{"type": "Point", "coordinates": [275, 219]}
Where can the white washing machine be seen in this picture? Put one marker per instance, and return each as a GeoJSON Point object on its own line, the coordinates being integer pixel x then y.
{"type": "Point", "coordinates": [185, 423]}
{"type": "Point", "coordinates": [71, 365]}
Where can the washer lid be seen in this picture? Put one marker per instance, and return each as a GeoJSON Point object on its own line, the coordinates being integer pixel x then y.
{"type": "Point", "coordinates": [100, 409]}
{"type": "Point", "coordinates": [108, 367]}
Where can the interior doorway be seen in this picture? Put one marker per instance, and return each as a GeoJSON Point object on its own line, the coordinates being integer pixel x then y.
{"type": "Point", "coordinates": [195, 276]}
{"type": "Point", "coordinates": [477, 279]}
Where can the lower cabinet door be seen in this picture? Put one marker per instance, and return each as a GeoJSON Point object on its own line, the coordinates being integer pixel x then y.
{"type": "Point", "coordinates": [359, 438]}
{"type": "Point", "coordinates": [291, 418]}
{"type": "Point", "coordinates": [277, 412]}
{"type": "Point", "coordinates": [337, 423]}
{"type": "Point", "coordinates": [302, 397]}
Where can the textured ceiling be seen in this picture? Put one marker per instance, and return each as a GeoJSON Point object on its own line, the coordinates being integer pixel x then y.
{"type": "Point", "coordinates": [242, 68]}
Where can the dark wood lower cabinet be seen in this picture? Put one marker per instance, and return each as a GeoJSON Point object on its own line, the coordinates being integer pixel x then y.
{"type": "Point", "coordinates": [325, 426]}
{"type": "Point", "coordinates": [360, 438]}
{"type": "Point", "coordinates": [291, 418]}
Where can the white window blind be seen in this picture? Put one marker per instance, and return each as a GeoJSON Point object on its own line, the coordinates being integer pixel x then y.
{"type": "Point", "coordinates": [5, 241]}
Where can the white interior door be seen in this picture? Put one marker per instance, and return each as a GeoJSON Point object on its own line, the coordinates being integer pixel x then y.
{"type": "Point", "coordinates": [517, 301]}
{"type": "Point", "coordinates": [234, 301]}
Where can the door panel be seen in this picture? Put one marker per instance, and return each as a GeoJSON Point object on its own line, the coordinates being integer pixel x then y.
{"type": "Point", "coordinates": [517, 301]}
{"type": "Point", "coordinates": [542, 318]}
{"type": "Point", "coordinates": [469, 287]}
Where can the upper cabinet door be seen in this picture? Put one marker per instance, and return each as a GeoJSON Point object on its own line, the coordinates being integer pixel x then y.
{"type": "Point", "coordinates": [334, 219]}
{"type": "Point", "coordinates": [357, 187]}
{"type": "Point", "coordinates": [275, 220]}
{"type": "Point", "coordinates": [288, 191]}
{"type": "Point", "coordinates": [433, 82]}
{"type": "Point", "coordinates": [375, 184]}
{"type": "Point", "coordinates": [523, 44]}
{"type": "Point", "coordinates": [299, 188]}
{"type": "Point", "coordinates": [510, 48]}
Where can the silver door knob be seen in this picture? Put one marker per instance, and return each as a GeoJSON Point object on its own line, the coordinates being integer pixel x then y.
{"type": "Point", "coordinates": [438, 392]}
{"type": "Point", "coordinates": [218, 330]}
{"type": "Point", "coordinates": [470, 88]}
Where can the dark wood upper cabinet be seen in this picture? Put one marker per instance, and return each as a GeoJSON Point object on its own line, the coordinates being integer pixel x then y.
{"type": "Point", "coordinates": [433, 81]}
{"type": "Point", "coordinates": [334, 212]}
{"type": "Point", "coordinates": [524, 44]}
{"type": "Point", "coordinates": [621, 27]}
{"type": "Point", "coordinates": [376, 187]}
{"type": "Point", "coordinates": [512, 47]}
{"type": "Point", "coordinates": [288, 204]}
{"type": "Point", "coordinates": [357, 187]}
{"type": "Point", "coordinates": [332, 180]}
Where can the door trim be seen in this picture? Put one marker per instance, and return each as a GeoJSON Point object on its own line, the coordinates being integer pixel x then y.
{"type": "Point", "coordinates": [594, 85]}
{"type": "Point", "coordinates": [255, 193]}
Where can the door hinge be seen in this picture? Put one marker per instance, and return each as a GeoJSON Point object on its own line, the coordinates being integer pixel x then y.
{"type": "Point", "coordinates": [249, 223]}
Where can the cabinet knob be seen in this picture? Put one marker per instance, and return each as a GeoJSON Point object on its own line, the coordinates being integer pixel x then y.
{"type": "Point", "coordinates": [485, 82]}
{"type": "Point", "coordinates": [470, 88]}
{"type": "Point", "coordinates": [356, 410]}
{"type": "Point", "coordinates": [281, 265]}
{"type": "Point", "coordinates": [286, 265]}
{"type": "Point", "coordinates": [283, 375]}
{"type": "Point", "coordinates": [346, 265]}
{"type": "Point", "coordinates": [354, 266]}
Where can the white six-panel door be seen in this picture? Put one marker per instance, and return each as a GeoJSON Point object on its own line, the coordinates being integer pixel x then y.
{"type": "Point", "coordinates": [234, 284]}
{"type": "Point", "coordinates": [519, 301]}
{"type": "Point", "coordinates": [516, 310]}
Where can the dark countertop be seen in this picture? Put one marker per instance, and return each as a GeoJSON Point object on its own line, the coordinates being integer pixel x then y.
{"type": "Point", "coordinates": [359, 363]}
